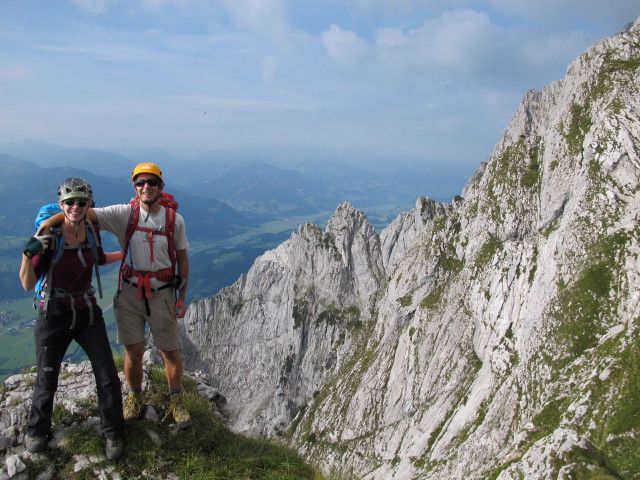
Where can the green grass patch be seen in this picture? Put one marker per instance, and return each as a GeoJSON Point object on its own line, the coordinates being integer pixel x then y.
{"type": "Point", "coordinates": [432, 300]}
{"type": "Point", "coordinates": [549, 418]}
{"type": "Point", "coordinates": [584, 306]}
{"type": "Point", "coordinates": [488, 250]}
{"type": "Point", "coordinates": [208, 450]}
{"type": "Point", "coordinates": [579, 125]}
{"type": "Point", "coordinates": [589, 463]}
{"type": "Point", "coordinates": [405, 301]}
{"type": "Point", "coordinates": [617, 435]}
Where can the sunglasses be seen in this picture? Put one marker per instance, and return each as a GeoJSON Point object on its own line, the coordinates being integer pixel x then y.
{"type": "Point", "coordinates": [152, 182]}
{"type": "Point", "coordinates": [80, 203]}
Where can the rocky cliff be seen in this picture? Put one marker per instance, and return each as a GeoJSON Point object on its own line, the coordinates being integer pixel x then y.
{"type": "Point", "coordinates": [492, 337]}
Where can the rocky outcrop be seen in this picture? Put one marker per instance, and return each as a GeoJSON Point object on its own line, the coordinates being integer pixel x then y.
{"type": "Point", "coordinates": [495, 336]}
{"type": "Point", "coordinates": [75, 406]}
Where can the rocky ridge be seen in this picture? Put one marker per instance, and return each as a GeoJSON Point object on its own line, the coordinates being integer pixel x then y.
{"type": "Point", "coordinates": [492, 337]}
{"type": "Point", "coordinates": [75, 405]}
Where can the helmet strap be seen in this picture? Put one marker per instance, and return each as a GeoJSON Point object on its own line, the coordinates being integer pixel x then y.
{"type": "Point", "coordinates": [76, 225]}
{"type": "Point", "coordinates": [149, 204]}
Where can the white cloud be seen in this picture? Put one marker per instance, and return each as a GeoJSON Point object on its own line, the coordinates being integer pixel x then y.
{"type": "Point", "coordinates": [94, 6]}
{"type": "Point", "coordinates": [268, 18]}
{"type": "Point", "coordinates": [269, 67]}
{"type": "Point", "coordinates": [458, 41]}
{"type": "Point", "coordinates": [404, 6]}
{"type": "Point", "coordinates": [446, 124]}
{"type": "Point", "coordinates": [157, 4]}
{"type": "Point", "coordinates": [462, 47]}
{"type": "Point", "coordinates": [15, 72]}
{"type": "Point", "coordinates": [345, 47]}
{"type": "Point", "coordinates": [154, 32]}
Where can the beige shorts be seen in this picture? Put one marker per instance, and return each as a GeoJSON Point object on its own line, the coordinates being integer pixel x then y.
{"type": "Point", "coordinates": [131, 318]}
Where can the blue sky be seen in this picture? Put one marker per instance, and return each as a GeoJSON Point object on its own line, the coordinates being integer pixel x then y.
{"type": "Point", "coordinates": [427, 78]}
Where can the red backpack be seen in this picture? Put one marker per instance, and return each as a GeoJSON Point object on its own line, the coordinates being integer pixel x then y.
{"type": "Point", "coordinates": [166, 274]}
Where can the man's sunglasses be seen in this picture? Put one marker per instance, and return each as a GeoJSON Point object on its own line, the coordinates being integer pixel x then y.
{"type": "Point", "coordinates": [152, 182]}
{"type": "Point", "coordinates": [80, 203]}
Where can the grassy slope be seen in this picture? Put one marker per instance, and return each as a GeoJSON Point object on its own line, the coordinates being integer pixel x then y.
{"type": "Point", "coordinates": [155, 450]}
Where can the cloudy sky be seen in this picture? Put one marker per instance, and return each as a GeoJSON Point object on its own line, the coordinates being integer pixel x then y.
{"type": "Point", "coordinates": [426, 78]}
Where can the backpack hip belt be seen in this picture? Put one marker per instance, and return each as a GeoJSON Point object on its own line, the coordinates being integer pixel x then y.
{"type": "Point", "coordinates": [143, 281]}
{"type": "Point", "coordinates": [59, 293]}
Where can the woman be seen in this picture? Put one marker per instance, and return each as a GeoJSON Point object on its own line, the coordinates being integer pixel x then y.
{"type": "Point", "coordinates": [71, 313]}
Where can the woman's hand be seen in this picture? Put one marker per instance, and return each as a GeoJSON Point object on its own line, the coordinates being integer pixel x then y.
{"type": "Point", "coordinates": [36, 244]}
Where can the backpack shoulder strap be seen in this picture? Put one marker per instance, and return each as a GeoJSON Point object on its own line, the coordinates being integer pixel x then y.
{"type": "Point", "coordinates": [170, 206]}
{"type": "Point", "coordinates": [132, 223]}
{"type": "Point", "coordinates": [94, 241]}
{"type": "Point", "coordinates": [43, 287]}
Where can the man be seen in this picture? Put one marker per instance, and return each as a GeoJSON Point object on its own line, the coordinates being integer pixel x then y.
{"type": "Point", "coordinates": [147, 285]}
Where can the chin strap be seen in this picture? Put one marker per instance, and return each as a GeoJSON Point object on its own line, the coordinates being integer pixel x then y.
{"type": "Point", "coordinates": [76, 224]}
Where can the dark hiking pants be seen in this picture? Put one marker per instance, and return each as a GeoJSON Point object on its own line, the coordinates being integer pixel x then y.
{"type": "Point", "coordinates": [53, 335]}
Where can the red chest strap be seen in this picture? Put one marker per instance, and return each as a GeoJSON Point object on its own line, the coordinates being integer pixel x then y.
{"type": "Point", "coordinates": [150, 233]}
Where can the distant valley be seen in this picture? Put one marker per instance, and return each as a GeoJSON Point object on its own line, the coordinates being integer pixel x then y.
{"type": "Point", "coordinates": [237, 205]}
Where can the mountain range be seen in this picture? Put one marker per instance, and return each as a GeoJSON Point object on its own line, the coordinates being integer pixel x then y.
{"type": "Point", "coordinates": [496, 336]}
{"type": "Point", "coordinates": [236, 205]}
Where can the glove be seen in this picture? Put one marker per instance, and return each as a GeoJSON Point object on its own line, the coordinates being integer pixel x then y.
{"type": "Point", "coordinates": [36, 244]}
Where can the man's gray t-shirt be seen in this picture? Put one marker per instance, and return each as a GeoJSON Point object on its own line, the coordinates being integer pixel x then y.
{"type": "Point", "coordinates": [114, 219]}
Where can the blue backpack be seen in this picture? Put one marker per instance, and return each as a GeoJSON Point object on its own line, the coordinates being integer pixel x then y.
{"type": "Point", "coordinates": [43, 287]}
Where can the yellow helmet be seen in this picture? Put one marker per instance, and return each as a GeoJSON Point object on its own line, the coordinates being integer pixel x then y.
{"type": "Point", "coordinates": [146, 168]}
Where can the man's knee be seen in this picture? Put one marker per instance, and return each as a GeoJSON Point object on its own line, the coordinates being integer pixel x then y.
{"type": "Point", "coordinates": [135, 353]}
{"type": "Point", "coordinates": [172, 360]}
{"type": "Point", "coordinates": [172, 356]}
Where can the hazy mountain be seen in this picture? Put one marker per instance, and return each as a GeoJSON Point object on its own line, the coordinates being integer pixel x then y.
{"type": "Point", "coordinates": [314, 185]}
{"type": "Point", "coordinates": [46, 155]}
{"type": "Point", "coordinates": [260, 188]}
{"type": "Point", "coordinates": [25, 187]}
{"type": "Point", "coordinates": [278, 182]}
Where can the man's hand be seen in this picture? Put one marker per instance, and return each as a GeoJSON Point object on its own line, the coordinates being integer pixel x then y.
{"type": "Point", "coordinates": [180, 308]}
{"type": "Point", "coordinates": [44, 229]}
{"type": "Point", "coordinates": [36, 244]}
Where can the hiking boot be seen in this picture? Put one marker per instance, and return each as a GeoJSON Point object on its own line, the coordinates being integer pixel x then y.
{"type": "Point", "coordinates": [179, 411]}
{"type": "Point", "coordinates": [35, 443]}
{"type": "Point", "coordinates": [133, 406]}
{"type": "Point", "coordinates": [114, 449]}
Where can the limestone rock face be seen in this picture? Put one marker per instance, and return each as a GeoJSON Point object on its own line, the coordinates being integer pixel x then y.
{"type": "Point", "coordinates": [495, 336]}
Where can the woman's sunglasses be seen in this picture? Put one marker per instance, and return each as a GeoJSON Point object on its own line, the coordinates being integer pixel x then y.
{"type": "Point", "coordinates": [80, 203]}
{"type": "Point", "coordinates": [152, 182]}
